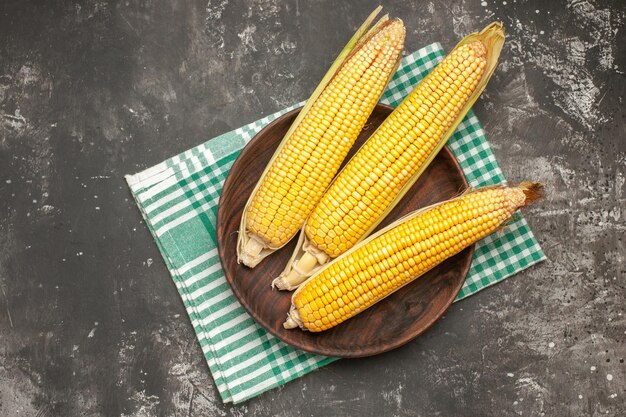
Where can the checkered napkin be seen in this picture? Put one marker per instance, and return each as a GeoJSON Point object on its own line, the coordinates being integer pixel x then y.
{"type": "Point", "coordinates": [178, 199]}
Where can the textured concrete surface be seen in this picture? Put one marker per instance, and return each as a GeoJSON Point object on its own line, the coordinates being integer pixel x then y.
{"type": "Point", "coordinates": [91, 324]}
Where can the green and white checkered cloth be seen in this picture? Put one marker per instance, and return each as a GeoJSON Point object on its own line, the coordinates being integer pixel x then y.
{"type": "Point", "coordinates": [178, 199]}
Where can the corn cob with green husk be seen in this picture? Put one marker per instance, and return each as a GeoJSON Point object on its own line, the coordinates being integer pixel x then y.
{"type": "Point", "coordinates": [311, 152]}
{"type": "Point", "coordinates": [400, 253]}
{"type": "Point", "coordinates": [393, 158]}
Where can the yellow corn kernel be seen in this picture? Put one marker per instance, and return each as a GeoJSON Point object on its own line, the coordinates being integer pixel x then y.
{"type": "Point", "coordinates": [411, 245]}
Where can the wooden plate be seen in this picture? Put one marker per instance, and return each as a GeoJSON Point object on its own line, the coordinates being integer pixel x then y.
{"type": "Point", "coordinates": [387, 325]}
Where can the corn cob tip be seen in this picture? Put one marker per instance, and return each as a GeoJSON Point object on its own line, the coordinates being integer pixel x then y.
{"type": "Point", "coordinates": [533, 191]}
{"type": "Point", "coordinates": [479, 48]}
{"type": "Point", "coordinates": [523, 195]}
{"type": "Point", "coordinates": [494, 29]}
{"type": "Point", "coordinates": [397, 22]}
{"type": "Point", "coordinates": [394, 31]}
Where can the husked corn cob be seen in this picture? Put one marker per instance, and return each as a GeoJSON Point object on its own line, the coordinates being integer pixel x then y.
{"type": "Point", "coordinates": [402, 252]}
{"type": "Point", "coordinates": [392, 157]}
{"type": "Point", "coordinates": [364, 189]}
{"type": "Point", "coordinates": [304, 167]}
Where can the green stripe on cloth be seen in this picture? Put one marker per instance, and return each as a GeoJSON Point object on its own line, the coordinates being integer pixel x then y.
{"type": "Point", "coordinates": [178, 199]}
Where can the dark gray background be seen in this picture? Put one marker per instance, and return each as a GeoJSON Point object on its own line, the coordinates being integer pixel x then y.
{"type": "Point", "coordinates": [90, 322]}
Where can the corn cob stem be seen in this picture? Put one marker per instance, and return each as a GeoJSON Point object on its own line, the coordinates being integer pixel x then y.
{"type": "Point", "coordinates": [311, 259]}
{"type": "Point", "coordinates": [318, 141]}
{"type": "Point", "coordinates": [400, 253]}
{"type": "Point", "coordinates": [299, 270]}
{"type": "Point", "coordinates": [394, 157]}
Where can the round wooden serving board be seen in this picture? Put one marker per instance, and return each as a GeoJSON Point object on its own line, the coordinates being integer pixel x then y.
{"type": "Point", "coordinates": [389, 324]}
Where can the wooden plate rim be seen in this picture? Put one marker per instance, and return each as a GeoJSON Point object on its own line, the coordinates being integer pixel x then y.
{"type": "Point", "coordinates": [360, 352]}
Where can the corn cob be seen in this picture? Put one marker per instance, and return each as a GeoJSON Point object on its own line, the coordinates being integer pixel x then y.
{"type": "Point", "coordinates": [402, 252]}
{"type": "Point", "coordinates": [396, 154]}
{"type": "Point", "coordinates": [314, 148]}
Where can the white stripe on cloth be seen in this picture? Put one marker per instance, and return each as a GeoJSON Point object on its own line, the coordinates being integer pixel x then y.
{"type": "Point", "coordinates": [185, 217]}
{"type": "Point", "coordinates": [245, 332]}
{"type": "Point", "coordinates": [255, 389]}
{"type": "Point", "coordinates": [184, 204]}
{"type": "Point", "coordinates": [202, 274]}
{"type": "Point", "coordinates": [150, 176]}
{"type": "Point", "coordinates": [149, 193]}
{"type": "Point", "coordinates": [209, 319]}
{"type": "Point", "coordinates": [195, 262]}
